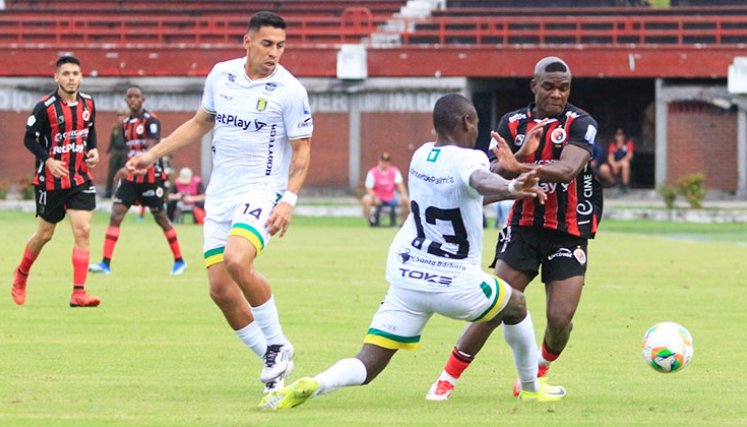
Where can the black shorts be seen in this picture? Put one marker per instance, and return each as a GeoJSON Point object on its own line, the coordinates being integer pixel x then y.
{"type": "Point", "coordinates": [150, 195]}
{"type": "Point", "coordinates": [52, 205]}
{"type": "Point", "coordinates": [561, 255]}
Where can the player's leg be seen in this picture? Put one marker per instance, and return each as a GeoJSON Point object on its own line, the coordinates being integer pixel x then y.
{"type": "Point", "coordinates": [124, 196]}
{"type": "Point", "coordinates": [397, 324]}
{"type": "Point", "coordinates": [170, 233]}
{"type": "Point", "coordinates": [246, 239]}
{"type": "Point", "coordinates": [239, 257]}
{"type": "Point", "coordinates": [625, 174]}
{"type": "Point", "coordinates": [80, 222]}
{"type": "Point", "coordinates": [42, 235]}
{"type": "Point", "coordinates": [563, 275]}
{"type": "Point", "coordinates": [367, 202]}
{"type": "Point", "coordinates": [513, 248]}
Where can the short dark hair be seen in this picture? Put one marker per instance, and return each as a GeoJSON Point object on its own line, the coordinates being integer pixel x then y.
{"type": "Point", "coordinates": [266, 19]}
{"type": "Point", "coordinates": [449, 110]}
{"type": "Point", "coordinates": [138, 87]}
{"type": "Point", "coordinates": [66, 59]}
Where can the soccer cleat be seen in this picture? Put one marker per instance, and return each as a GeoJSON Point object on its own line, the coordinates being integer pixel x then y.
{"type": "Point", "coordinates": [18, 291]}
{"type": "Point", "coordinates": [291, 396]}
{"type": "Point", "coordinates": [99, 268]}
{"type": "Point", "coordinates": [278, 359]}
{"type": "Point", "coordinates": [440, 390]}
{"type": "Point", "coordinates": [541, 372]}
{"type": "Point", "coordinates": [82, 299]}
{"type": "Point", "coordinates": [546, 393]}
{"type": "Point", "coordinates": [178, 268]}
{"type": "Point", "coordinates": [279, 382]}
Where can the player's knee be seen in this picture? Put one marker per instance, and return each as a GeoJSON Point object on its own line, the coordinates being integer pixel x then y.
{"type": "Point", "coordinates": [516, 309]}
{"type": "Point", "coordinates": [44, 236]}
{"type": "Point", "coordinates": [559, 320]}
{"type": "Point", "coordinates": [220, 296]}
{"type": "Point", "coordinates": [236, 264]}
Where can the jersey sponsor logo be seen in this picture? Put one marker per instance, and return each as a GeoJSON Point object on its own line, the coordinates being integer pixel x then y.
{"type": "Point", "coordinates": [262, 104]}
{"type": "Point", "coordinates": [561, 253]}
{"type": "Point", "coordinates": [430, 178]}
{"type": "Point", "coordinates": [305, 124]}
{"type": "Point", "coordinates": [580, 256]}
{"type": "Point", "coordinates": [271, 149]}
{"type": "Point", "coordinates": [75, 133]}
{"type": "Point", "coordinates": [557, 136]}
{"type": "Point", "coordinates": [232, 120]}
{"type": "Point", "coordinates": [437, 279]}
{"type": "Point", "coordinates": [552, 187]}
{"type": "Point", "coordinates": [517, 116]}
{"type": "Point", "coordinates": [68, 148]}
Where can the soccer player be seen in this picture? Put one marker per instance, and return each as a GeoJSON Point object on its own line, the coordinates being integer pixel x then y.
{"type": "Point", "coordinates": [433, 264]}
{"type": "Point", "coordinates": [554, 235]}
{"type": "Point", "coordinates": [262, 126]}
{"type": "Point", "coordinates": [142, 130]}
{"type": "Point", "coordinates": [61, 134]}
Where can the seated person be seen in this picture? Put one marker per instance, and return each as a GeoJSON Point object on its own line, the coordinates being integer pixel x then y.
{"type": "Point", "coordinates": [619, 156]}
{"type": "Point", "coordinates": [598, 159]}
{"type": "Point", "coordinates": [381, 182]}
{"type": "Point", "coordinates": [187, 195]}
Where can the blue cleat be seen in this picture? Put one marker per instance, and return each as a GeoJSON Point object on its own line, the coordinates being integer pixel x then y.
{"type": "Point", "coordinates": [178, 268]}
{"type": "Point", "coordinates": [99, 268]}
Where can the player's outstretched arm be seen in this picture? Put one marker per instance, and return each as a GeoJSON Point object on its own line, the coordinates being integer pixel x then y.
{"type": "Point", "coordinates": [280, 216]}
{"type": "Point", "coordinates": [189, 132]}
{"type": "Point", "coordinates": [494, 187]}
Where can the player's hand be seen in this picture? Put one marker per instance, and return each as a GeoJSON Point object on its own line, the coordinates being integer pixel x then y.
{"type": "Point", "coordinates": [527, 185]}
{"type": "Point", "coordinates": [92, 157]}
{"type": "Point", "coordinates": [57, 168]}
{"type": "Point", "coordinates": [279, 219]}
{"type": "Point", "coordinates": [139, 164]}
{"type": "Point", "coordinates": [531, 140]}
{"type": "Point", "coordinates": [504, 155]}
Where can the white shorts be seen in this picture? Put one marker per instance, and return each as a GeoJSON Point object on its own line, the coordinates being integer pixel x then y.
{"type": "Point", "coordinates": [244, 215]}
{"type": "Point", "coordinates": [404, 312]}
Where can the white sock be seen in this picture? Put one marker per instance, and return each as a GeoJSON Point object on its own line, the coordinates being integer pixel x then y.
{"type": "Point", "coordinates": [523, 343]}
{"type": "Point", "coordinates": [446, 377]}
{"type": "Point", "coordinates": [344, 373]}
{"type": "Point", "coordinates": [267, 318]}
{"type": "Point", "coordinates": [253, 338]}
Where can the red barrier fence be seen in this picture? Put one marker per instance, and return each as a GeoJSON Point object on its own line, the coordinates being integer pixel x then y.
{"type": "Point", "coordinates": [356, 23]}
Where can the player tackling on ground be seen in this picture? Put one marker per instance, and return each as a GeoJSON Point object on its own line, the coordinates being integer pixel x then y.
{"type": "Point", "coordinates": [262, 127]}
{"type": "Point", "coordinates": [433, 264]}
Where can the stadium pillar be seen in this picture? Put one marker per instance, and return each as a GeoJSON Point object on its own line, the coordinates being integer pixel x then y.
{"type": "Point", "coordinates": [742, 153]}
{"type": "Point", "coordinates": [354, 147]}
{"type": "Point", "coordinates": [662, 108]}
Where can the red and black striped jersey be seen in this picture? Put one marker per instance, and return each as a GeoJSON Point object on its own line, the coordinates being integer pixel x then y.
{"type": "Point", "coordinates": [138, 130]}
{"type": "Point", "coordinates": [65, 132]}
{"type": "Point", "coordinates": [575, 207]}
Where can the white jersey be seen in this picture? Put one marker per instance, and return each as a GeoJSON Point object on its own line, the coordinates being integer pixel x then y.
{"type": "Point", "coordinates": [254, 119]}
{"type": "Point", "coordinates": [440, 245]}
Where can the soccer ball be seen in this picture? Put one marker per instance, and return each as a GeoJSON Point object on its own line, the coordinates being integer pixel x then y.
{"type": "Point", "coordinates": [667, 347]}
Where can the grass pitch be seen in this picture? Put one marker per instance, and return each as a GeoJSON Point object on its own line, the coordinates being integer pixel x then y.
{"type": "Point", "coordinates": [157, 352]}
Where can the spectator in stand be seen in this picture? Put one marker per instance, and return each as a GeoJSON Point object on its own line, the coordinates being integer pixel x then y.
{"type": "Point", "coordinates": [187, 195]}
{"type": "Point", "coordinates": [598, 158]}
{"type": "Point", "coordinates": [381, 182]}
{"type": "Point", "coordinates": [117, 151]}
{"type": "Point", "coordinates": [619, 156]}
